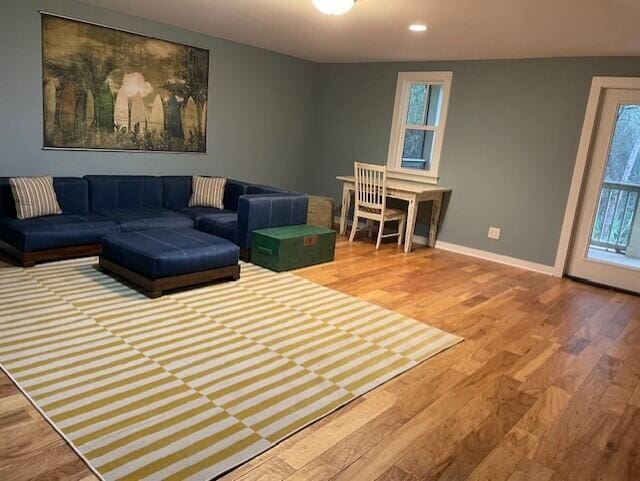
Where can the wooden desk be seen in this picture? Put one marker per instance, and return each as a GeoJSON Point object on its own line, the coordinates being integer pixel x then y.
{"type": "Point", "coordinates": [412, 192]}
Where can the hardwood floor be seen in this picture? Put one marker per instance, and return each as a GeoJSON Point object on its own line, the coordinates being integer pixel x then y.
{"type": "Point", "coordinates": [546, 386]}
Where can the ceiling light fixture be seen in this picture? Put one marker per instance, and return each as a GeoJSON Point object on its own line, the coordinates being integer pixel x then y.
{"type": "Point", "coordinates": [334, 7]}
{"type": "Point", "coordinates": [418, 27]}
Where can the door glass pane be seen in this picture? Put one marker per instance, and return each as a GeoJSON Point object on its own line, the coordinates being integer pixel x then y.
{"type": "Point", "coordinates": [615, 235]}
{"type": "Point", "coordinates": [416, 152]}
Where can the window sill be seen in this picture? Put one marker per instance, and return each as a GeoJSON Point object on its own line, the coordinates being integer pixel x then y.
{"type": "Point", "coordinates": [408, 174]}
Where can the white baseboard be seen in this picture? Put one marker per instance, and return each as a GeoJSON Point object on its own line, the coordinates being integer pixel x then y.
{"type": "Point", "coordinates": [491, 256]}
{"type": "Point", "coordinates": [480, 254]}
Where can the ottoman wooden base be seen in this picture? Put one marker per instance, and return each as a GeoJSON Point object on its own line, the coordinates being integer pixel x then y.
{"type": "Point", "coordinates": [156, 287]}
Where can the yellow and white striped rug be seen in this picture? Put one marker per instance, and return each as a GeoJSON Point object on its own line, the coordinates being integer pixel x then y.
{"type": "Point", "coordinates": [188, 386]}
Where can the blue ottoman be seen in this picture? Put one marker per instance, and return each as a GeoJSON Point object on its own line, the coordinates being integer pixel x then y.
{"type": "Point", "coordinates": [158, 260]}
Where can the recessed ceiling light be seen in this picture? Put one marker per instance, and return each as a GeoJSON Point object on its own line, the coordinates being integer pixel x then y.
{"type": "Point", "coordinates": [334, 7]}
{"type": "Point", "coordinates": [418, 27]}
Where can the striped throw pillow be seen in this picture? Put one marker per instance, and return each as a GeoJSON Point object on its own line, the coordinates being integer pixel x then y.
{"type": "Point", "coordinates": [34, 196]}
{"type": "Point", "coordinates": [207, 192]}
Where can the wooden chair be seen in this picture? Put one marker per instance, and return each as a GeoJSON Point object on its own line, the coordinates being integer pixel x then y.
{"type": "Point", "coordinates": [371, 201]}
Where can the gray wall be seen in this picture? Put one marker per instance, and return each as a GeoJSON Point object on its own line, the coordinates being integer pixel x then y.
{"type": "Point", "coordinates": [261, 105]}
{"type": "Point", "coordinates": [509, 148]}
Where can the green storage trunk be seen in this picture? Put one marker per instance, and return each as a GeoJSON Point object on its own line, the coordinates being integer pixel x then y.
{"type": "Point", "coordinates": [292, 247]}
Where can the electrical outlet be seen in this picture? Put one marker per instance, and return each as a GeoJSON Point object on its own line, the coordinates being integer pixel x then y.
{"type": "Point", "coordinates": [494, 233]}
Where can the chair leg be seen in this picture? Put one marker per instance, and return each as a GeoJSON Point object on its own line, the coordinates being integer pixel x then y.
{"type": "Point", "coordinates": [354, 227]}
{"type": "Point", "coordinates": [401, 227]}
{"type": "Point", "coordinates": [380, 231]}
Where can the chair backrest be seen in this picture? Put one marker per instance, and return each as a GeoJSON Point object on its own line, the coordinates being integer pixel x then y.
{"type": "Point", "coordinates": [371, 185]}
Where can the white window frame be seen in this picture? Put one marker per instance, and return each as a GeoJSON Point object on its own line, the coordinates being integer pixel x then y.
{"type": "Point", "coordinates": [399, 125]}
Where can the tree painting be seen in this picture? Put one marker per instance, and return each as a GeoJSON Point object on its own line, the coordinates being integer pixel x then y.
{"type": "Point", "coordinates": [108, 89]}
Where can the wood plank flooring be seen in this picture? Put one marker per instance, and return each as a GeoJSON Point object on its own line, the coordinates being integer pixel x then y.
{"type": "Point", "coordinates": [546, 386]}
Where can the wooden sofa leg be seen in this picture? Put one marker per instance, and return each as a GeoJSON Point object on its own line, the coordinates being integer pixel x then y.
{"type": "Point", "coordinates": [30, 259]}
{"type": "Point", "coordinates": [26, 261]}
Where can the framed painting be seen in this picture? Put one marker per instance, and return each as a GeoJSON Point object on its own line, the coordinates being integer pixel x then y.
{"type": "Point", "coordinates": [107, 89]}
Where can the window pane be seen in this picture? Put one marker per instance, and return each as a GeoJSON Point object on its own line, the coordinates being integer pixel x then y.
{"type": "Point", "coordinates": [416, 152]}
{"type": "Point", "coordinates": [424, 104]}
{"type": "Point", "coordinates": [433, 114]}
{"type": "Point", "coordinates": [417, 103]}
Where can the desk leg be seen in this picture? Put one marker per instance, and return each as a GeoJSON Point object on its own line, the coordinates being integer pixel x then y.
{"type": "Point", "coordinates": [412, 211]}
{"type": "Point", "coordinates": [436, 207]}
{"type": "Point", "coordinates": [346, 204]}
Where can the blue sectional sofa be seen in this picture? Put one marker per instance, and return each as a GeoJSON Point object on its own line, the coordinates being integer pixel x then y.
{"type": "Point", "coordinates": [98, 205]}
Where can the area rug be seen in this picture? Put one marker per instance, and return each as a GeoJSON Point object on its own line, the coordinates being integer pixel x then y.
{"type": "Point", "coordinates": [190, 385]}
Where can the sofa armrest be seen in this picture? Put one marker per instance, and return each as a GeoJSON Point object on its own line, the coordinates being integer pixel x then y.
{"type": "Point", "coordinates": [261, 211]}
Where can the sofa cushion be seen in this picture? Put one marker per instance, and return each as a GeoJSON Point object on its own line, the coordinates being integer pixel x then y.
{"type": "Point", "coordinates": [50, 232]}
{"type": "Point", "coordinates": [144, 218]}
{"type": "Point", "coordinates": [109, 192]}
{"type": "Point", "coordinates": [224, 225]}
{"type": "Point", "coordinates": [207, 192]}
{"type": "Point", "coordinates": [7, 205]}
{"type": "Point", "coordinates": [176, 191]}
{"type": "Point", "coordinates": [196, 213]}
{"type": "Point", "coordinates": [169, 252]}
{"type": "Point", "coordinates": [232, 192]}
{"type": "Point", "coordinates": [72, 194]}
{"type": "Point", "coordinates": [34, 196]}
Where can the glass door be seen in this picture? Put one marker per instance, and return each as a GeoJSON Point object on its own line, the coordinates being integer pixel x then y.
{"type": "Point", "coordinates": [606, 246]}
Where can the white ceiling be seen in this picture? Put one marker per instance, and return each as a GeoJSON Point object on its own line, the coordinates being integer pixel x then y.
{"type": "Point", "coordinates": [376, 30]}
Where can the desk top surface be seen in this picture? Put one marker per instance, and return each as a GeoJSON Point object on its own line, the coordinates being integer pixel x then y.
{"type": "Point", "coordinates": [404, 185]}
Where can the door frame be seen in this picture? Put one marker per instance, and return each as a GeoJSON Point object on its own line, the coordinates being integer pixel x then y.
{"type": "Point", "coordinates": [587, 138]}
